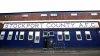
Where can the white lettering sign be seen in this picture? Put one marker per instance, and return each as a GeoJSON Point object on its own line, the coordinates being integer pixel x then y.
{"type": "Point", "coordinates": [53, 25]}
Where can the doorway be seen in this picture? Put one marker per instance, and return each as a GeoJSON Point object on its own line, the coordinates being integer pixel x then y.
{"type": "Point", "coordinates": [48, 42]}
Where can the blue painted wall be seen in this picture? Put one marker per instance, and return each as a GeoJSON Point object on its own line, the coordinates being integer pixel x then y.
{"type": "Point", "coordinates": [73, 43]}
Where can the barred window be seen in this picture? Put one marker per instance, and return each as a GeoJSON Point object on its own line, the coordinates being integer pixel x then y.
{"type": "Point", "coordinates": [2, 35]}
{"type": "Point", "coordinates": [67, 35]}
{"type": "Point", "coordinates": [30, 36]}
{"type": "Point", "coordinates": [59, 37]}
{"type": "Point", "coordinates": [21, 35]}
{"type": "Point", "coordinates": [88, 35]}
{"type": "Point", "coordinates": [78, 35]}
{"type": "Point", "coordinates": [10, 35]}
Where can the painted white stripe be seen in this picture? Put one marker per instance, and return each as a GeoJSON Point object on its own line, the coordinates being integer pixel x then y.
{"type": "Point", "coordinates": [48, 21]}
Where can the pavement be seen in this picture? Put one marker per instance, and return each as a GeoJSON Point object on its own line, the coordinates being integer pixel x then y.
{"type": "Point", "coordinates": [48, 51]}
{"type": "Point", "coordinates": [26, 54]}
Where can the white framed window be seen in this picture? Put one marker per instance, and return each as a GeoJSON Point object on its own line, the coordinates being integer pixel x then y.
{"type": "Point", "coordinates": [43, 14]}
{"type": "Point", "coordinates": [16, 36]}
{"type": "Point", "coordinates": [2, 35]}
{"type": "Point", "coordinates": [67, 35]}
{"type": "Point", "coordinates": [10, 35]}
{"type": "Point", "coordinates": [45, 33]}
{"type": "Point", "coordinates": [59, 36]}
{"type": "Point", "coordinates": [88, 35]}
{"type": "Point", "coordinates": [30, 35]}
{"type": "Point", "coordinates": [94, 14]}
{"type": "Point", "coordinates": [53, 14]}
{"type": "Point", "coordinates": [37, 37]}
{"type": "Point", "coordinates": [78, 35]}
{"type": "Point", "coordinates": [51, 33]}
{"type": "Point", "coordinates": [21, 35]}
{"type": "Point", "coordinates": [25, 15]}
{"type": "Point", "coordinates": [73, 14]}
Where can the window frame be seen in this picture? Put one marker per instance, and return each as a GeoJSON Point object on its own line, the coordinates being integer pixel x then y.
{"type": "Point", "coordinates": [30, 33]}
{"type": "Point", "coordinates": [10, 37]}
{"type": "Point", "coordinates": [59, 33]}
{"type": "Point", "coordinates": [16, 35]}
{"type": "Point", "coordinates": [67, 33]}
{"type": "Point", "coordinates": [51, 31]}
{"type": "Point", "coordinates": [45, 35]}
{"type": "Point", "coordinates": [21, 33]}
{"type": "Point", "coordinates": [37, 33]}
{"type": "Point", "coordinates": [78, 33]}
{"type": "Point", "coordinates": [88, 32]}
{"type": "Point", "coordinates": [2, 33]}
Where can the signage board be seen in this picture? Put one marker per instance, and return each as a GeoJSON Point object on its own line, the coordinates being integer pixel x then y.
{"type": "Point", "coordinates": [52, 25]}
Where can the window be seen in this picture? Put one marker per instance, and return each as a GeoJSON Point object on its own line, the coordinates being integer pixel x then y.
{"type": "Point", "coordinates": [10, 35]}
{"type": "Point", "coordinates": [73, 14]}
{"type": "Point", "coordinates": [67, 36]}
{"type": "Point", "coordinates": [78, 35]}
{"type": "Point", "coordinates": [51, 33]}
{"type": "Point", "coordinates": [45, 33]}
{"type": "Point", "coordinates": [88, 36]}
{"type": "Point", "coordinates": [60, 38]}
{"type": "Point", "coordinates": [2, 35]}
{"type": "Point", "coordinates": [43, 14]}
{"type": "Point", "coordinates": [37, 37]}
{"type": "Point", "coordinates": [7, 16]}
{"type": "Point", "coordinates": [94, 14]}
{"type": "Point", "coordinates": [21, 36]}
{"type": "Point", "coordinates": [25, 15]}
{"type": "Point", "coordinates": [53, 14]}
{"type": "Point", "coordinates": [16, 36]}
{"type": "Point", "coordinates": [30, 36]}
